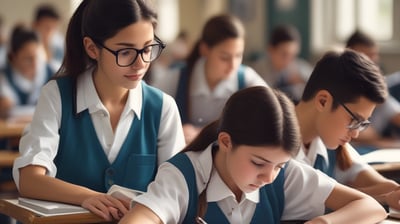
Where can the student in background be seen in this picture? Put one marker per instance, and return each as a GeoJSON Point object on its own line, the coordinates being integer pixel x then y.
{"type": "Point", "coordinates": [281, 67]}
{"type": "Point", "coordinates": [339, 97]}
{"type": "Point", "coordinates": [98, 124]}
{"type": "Point", "coordinates": [385, 120]}
{"type": "Point", "coordinates": [24, 74]}
{"type": "Point", "coordinates": [239, 171]}
{"type": "Point", "coordinates": [46, 23]}
{"type": "Point", "coordinates": [212, 72]}
{"type": "Point", "coordinates": [3, 45]}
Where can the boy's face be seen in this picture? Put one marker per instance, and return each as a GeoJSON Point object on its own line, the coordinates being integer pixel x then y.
{"type": "Point", "coordinates": [333, 125]}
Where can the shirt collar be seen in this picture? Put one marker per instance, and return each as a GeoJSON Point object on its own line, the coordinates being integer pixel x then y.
{"type": "Point", "coordinates": [87, 97]}
{"type": "Point", "coordinates": [317, 147]}
{"type": "Point", "coordinates": [199, 84]}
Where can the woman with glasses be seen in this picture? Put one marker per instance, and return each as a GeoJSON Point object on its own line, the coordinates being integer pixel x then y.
{"type": "Point", "coordinates": [337, 101]}
{"type": "Point", "coordinates": [97, 124]}
{"type": "Point", "coordinates": [212, 72]}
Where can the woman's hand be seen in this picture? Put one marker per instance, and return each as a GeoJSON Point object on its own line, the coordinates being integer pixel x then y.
{"type": "Point", "coordinates": [106, 206]}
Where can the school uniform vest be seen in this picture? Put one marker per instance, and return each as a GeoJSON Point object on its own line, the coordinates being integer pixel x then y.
{"type": "Point", "coordinates": [268, 210]}
{"type": "Point", "coordinates": [81, 159]}
{"type": "Point", "coordinates": [23, 96]}
{"type": "Point", "coordinates": [182, 95]}
{"type": "Point", "coordinates": [320, 163]}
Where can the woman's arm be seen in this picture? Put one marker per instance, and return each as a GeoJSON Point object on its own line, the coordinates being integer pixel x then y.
{"type": "Point", "coordinates": [142, 215]}
{"type": "Point", "coordinates": [34, 183]}
{"type": "Point", "coordinates": [350, 206]}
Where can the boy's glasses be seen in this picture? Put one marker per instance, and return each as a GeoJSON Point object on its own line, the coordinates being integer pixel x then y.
{"type": "Point", "coordinates": [127, 56]}
{"type": "Point", "coordinates": [356, 123]}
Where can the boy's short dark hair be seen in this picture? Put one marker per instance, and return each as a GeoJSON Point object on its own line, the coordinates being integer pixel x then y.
{"type": "Point", "coordinates": [46, 11]}
{"type": "Point", "coordinates": [360, 38]}
{"type": "Point", "coordinates": [346, 76]}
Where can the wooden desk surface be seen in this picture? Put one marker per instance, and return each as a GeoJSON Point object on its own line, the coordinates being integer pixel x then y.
{"type": "Point", "coordinates": [7, 158]}
{"type": "Point", "coordinates": [9, 208]}
{"type": "Point", "coordinates": [11, 129]}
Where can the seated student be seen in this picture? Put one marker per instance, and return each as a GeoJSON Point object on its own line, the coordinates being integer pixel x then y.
{"type": "Point", "coordinates": [240, 171]}
{"type": "Point", "coordinates": [24, 75]}
{"type": "Point", "coordinates": [46, 23]}
{"type": "Point", "coordinates": [339, 97]}
{"type": "Point", "coordinates": [385, 120]}
{"type": "Point", "coordinates": [281, 67]}
{"type": "Point", "coordinates": [213, 72]}
{"type": "Point", "coordinates": [98, 124]}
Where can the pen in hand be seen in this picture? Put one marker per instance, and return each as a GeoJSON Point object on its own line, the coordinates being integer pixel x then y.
{"type": "Point", "coordinates": [199, 220]}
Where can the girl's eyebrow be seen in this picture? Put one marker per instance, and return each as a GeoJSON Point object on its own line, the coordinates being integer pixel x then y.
{"type": "Point", "coordinates": [133, 45]}
{"type": "Point", "coordinates": [268, 161]}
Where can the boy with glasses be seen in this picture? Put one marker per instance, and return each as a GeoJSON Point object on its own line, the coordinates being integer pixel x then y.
{"type": "Point", "coordinates": [340, 96]}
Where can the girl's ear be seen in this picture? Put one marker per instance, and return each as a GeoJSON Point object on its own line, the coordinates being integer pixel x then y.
{"type": "Point", "coordinates": [323, 100]}
{"type": "Point", "coordinates": [203, 49]}
{"type": "Point", "coordinates": [224, 141]}
{"type": "Point", "coordinates": [91, 48]}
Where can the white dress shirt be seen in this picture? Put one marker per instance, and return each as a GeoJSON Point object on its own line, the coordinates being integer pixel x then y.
{"type": "Point", "coordinates": [205, 105]}
{"type": "Point", "coordinates": [39, 143]}
{"type": "Point", "coordinates": [317, 147]}
{"type": "Point", "coordinates": [305, 192]}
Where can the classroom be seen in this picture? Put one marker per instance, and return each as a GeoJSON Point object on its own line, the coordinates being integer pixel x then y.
{"type": "Point", "coordinates": [199, 111]}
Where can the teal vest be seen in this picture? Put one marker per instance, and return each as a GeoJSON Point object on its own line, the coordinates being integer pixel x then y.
{"type": "Point", "coordinates": [320, 163]}
{"type": "Point", "coordinates": [181, 97]}
{"type": "Point", "coordinates": [81, 159]}
{"type": "Point", "coordinates": [23, 96]}
{"type": "Point", "coordinates": [268, 210]}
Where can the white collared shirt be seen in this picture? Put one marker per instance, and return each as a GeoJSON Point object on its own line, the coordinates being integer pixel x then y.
{"type": "Point", "coordinates": [305, 192]}
{"type": "Point", "coordinates": [206, 105]}
{"type": "Point", "coordinates": [39, 143]}
{"type": "Point", "coordinates": [317, 147]}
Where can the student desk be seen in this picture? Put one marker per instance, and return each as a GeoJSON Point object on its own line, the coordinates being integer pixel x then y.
{"type": "Point", "coordinates": [11, 129]}
{"type": "Point", "coordinates": [7, 158]}
{"type": "Point", "coordinates": [9, 208]}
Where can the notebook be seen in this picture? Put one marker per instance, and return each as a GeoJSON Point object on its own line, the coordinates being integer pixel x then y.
{"type": "Point", "coordinates": [382, 156]}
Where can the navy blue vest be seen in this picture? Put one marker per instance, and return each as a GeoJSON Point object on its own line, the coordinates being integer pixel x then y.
{"type": "Point", "coordinates": [81, 159]}
{"type": "Point", "coordinates": [182, 95]}
{"type": "Point", "coordinates": [23, 96]}
{"type": "Point", "coordinates": [268, 210]}
{"type": "Point", "coordinates": [327, 169]}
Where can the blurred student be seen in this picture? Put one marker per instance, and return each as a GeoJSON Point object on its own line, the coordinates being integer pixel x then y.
{"type": "Point", "coordinates": [240, 171]}
{"type": "Point", "coordinates": [47, 22]}
{"type": "Point", "coordinates": [339, 97]}
{"type": "Point", "coordinates": [97, 124]}
{"type": "Point", "coordinates": [385, 120]}
{"type": "Point", "coordinates": [25, 73]}
{"type": "Point", "coordinates": [281, 67]}
{"type": "Point", "coordinates": [3, 45]}
{"type": "Point", "coordinates": [212, 73]}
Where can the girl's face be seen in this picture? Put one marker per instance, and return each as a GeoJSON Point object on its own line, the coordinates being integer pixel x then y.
{"type": "Point", "coordinates": [223, 58]}
{"type": "Point", "coordinates": [251, 167]}
{"type": "Point", "coordinates": [138, 36]}
{"type": "Point", "coordinates": [333, 125]}
{"type": "Point", "coordinates": [26, 59]}
{"type": "Point", "coordinates": [283, 54]}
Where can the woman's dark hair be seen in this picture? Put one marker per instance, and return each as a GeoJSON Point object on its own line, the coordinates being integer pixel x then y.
{"type": "Point", "coordinates": [99, 20]}
{"type": "Point", "coordinates": [20, 36]}
{"type": "Point", "coordinates": [255, 116]}
{"type": "Point", "coordinates": [347, 76]}
{"type": "Point", "coordinates": [284, 33]}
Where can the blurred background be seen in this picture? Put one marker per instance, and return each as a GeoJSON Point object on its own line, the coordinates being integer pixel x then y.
{"type": "Point", "coordinates": [322, 24]}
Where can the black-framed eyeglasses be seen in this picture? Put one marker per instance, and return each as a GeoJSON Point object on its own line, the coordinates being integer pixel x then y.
{"type": "Point", "coordinates": [356, 122]}
{"type": "Point", "coordinates": [127, 56]}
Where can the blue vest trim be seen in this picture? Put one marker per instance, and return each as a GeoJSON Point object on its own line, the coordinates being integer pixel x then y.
{"type": "Point", "coordinates": [23, 96]}
{"type": "Point", "coordinates": [181, 97]}
{"type": "Point", "coordinates": [81, 159]}
{"type": "Point", "coordinates": [268, 210]}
